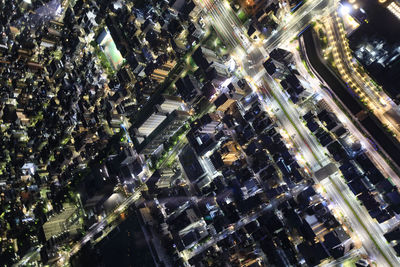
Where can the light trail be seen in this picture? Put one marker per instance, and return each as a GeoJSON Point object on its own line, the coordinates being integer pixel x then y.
{"type": "Point", "coordinates": [369, 226]}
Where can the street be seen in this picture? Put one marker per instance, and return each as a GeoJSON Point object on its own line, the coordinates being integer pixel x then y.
{"type": "Point", "coordinates": [224, 22]}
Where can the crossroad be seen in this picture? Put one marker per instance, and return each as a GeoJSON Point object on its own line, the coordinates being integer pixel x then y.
{"type": "Point", "coordinates": [226, 25]}
{"type": "Point", "coordinates": [231, 31]}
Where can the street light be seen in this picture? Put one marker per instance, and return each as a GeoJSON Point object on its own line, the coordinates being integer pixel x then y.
{"type": "Point", "coordinates": [345, 9]}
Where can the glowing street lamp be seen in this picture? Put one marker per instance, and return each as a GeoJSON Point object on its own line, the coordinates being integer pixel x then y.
{"type": "Point", "coordinates": [345, 9]}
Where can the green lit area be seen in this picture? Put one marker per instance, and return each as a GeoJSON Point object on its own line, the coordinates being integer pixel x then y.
{"type": "Point", "coordinates": [110, 50]}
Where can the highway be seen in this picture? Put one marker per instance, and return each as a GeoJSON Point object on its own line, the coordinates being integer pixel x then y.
{"type": "Point", "coordinates": [377, 96]}
{"type": "Point", "coordinates": [290, 120]}
{"type": "Point", "coordinates": [311, 10]}
{"type": "Point", "coordinates": [374, 230]}
{"type": "Point", "coordinates": [343, 59]}
{"type": "Point", "coordinates": [225, 23]}
{"type": "Point", "coordinates": [369, 231]}
{"type": "Point", "coordinates": [231, 31]}
{"type": "Point", "coordinates": [380, 104]}
{"type": "Point", "coordinates": [378, 101]}
{"type": "Point", "coordinates": [379, 161]}
{"type": "Point", "coordinates": [336, 182]}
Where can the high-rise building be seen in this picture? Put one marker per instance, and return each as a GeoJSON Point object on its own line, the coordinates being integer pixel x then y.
{"type": "Point", "coordinates": [170, 103]}
{"type": "Point", "coordinates": [151, 124]}
{"type": "Point", "coordinates": [163, 132]}
{"type": "Point", "coordinates": [207, 123]}
{"type": "Point", "coordinates": [161, 73]}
